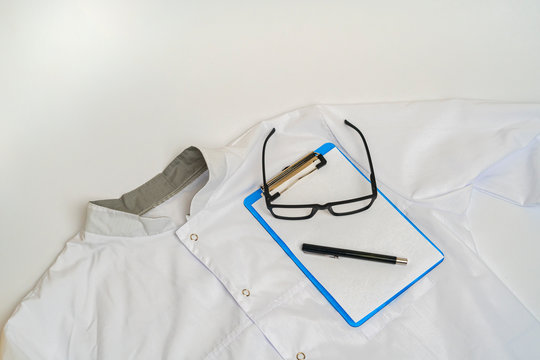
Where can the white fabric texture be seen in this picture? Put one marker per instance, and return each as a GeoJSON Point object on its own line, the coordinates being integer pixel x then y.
{"type": "Point", "coordinates": [160, 294]}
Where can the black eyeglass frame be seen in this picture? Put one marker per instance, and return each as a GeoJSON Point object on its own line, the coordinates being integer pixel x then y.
{"type": "Point", "coordinates": [316, 207]}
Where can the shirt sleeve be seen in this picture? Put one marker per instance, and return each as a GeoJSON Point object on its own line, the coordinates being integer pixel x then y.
{"type": "Point", "coordinates": [42, 324]}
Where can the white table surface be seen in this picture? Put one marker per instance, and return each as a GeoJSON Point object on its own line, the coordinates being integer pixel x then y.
{"type": "Point", "coordinates": [96, 97]}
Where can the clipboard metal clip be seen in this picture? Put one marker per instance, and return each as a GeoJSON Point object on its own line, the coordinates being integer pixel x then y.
{"type": "Point", "coordinates": [291, 174]}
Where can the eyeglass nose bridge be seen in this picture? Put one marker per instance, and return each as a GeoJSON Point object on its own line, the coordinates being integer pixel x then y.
{"type": "Point", "coordinates": [321, 206]}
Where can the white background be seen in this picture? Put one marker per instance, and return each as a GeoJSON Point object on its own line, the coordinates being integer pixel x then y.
{"type": "Point", "coordinates": [98, 96]}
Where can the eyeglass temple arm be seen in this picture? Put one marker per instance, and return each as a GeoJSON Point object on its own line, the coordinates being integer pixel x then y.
{"type": "Point", "coordinates": [372, 172]}
{"type": "Point", "coordinates": [372, 175]}
{"type": "Point", "coordinates": [265, 185]}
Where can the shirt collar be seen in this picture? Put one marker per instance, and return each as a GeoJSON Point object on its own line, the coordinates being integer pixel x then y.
{"type": "Point", "coordinates": [124, 216]}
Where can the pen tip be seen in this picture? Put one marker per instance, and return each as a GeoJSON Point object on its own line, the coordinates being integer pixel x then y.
{"type": "Point", "coordinates": [402, 261]}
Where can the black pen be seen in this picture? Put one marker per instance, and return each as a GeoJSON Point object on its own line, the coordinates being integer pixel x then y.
{"type": "Point", "coordinates": [362, 255]}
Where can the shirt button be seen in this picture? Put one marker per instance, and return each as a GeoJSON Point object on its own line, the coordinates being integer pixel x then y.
{"type": "Point", "coordinates": [300, 356]}
{"type": "Point", "coordinates": [194, 237]}
{"type": "Point", "coordinates": [245, 292]}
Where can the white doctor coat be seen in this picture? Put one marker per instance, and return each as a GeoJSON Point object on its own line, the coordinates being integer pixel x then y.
{"type": "Point", "coordinates": [178, 269]}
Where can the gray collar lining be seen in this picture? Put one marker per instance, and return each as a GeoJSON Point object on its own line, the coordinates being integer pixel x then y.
{"type": "Point", "coordinates": [185, 168]}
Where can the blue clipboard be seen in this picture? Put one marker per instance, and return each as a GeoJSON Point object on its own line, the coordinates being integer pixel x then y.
{"type": "Point", "coordinates": [257, 196]}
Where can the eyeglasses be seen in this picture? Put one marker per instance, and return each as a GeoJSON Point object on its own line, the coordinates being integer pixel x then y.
{"type": "Point", "coordinates": [306, 211]}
